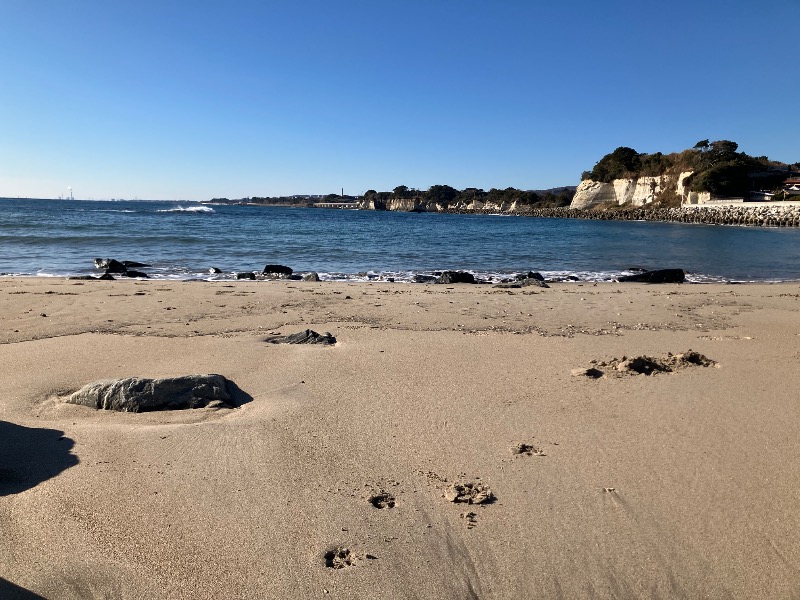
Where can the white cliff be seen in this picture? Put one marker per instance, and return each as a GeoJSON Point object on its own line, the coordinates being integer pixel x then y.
{"type": "Point", "coordinates": [636, 191]}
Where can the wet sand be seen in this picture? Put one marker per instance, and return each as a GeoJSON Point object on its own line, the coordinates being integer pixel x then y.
{"type": "Point", "coordinates": [335, 478]}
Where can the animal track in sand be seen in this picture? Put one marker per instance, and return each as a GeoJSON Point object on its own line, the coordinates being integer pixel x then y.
{"type": "Point", "coordinates": [527, 449]}
{"type": "Point", "coordinates": [470, 519]}
{"type": "Point", "coordinates": [341, 558]}
{"type": "Point", "coordinates": [472, 492]}
{"type": "Point", "coordinates": [382, 500]}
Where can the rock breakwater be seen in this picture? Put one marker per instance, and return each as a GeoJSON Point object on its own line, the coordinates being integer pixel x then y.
{"type": "Point", "coordinates": [749, 215]}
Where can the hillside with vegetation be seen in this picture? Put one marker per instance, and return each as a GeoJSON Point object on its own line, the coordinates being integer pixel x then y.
{"type": "Point", "coordinates": [717, 167]}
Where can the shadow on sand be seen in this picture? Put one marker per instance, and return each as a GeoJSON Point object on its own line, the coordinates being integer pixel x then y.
{"type": "Point", "coordinates": [9, 591]}
{"type": "Point", "coordinates": [237, 394]}
{"type": "Point", "coordinates": [29, 456]}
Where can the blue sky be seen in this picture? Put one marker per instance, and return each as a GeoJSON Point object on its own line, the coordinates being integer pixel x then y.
{"type": "Point", "coordinates": [194, 100]}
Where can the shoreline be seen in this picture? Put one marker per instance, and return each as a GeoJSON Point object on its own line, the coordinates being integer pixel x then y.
{"type": "Point", "coordinates": [625, 485]}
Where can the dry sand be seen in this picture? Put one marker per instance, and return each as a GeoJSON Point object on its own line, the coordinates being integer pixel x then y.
{"type": "Point", "coordinates": [676, 485]}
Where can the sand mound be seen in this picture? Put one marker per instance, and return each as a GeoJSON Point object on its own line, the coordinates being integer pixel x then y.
{"type": "Point", "coordinates": [645, 365]}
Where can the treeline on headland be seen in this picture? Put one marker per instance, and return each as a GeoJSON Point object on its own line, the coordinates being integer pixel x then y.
{"type": "Point", "coordinates": [442, 196]}
{"type": "Point", "coordinates": [445, 196]}
{"type": "Point", "coordinates": [717, 167]}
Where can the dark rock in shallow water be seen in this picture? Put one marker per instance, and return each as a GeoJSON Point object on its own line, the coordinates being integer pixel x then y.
{"type": "Point", "coordinates": [120, 268]}
{"type": "Point", "coordinates": [456, 277]}
{"type": "Point", "coordinates": [311, 276]}
{"type": "Point", "coordinates": [424, 279]}
{"type": "Point", "coordinates": [309, 336]}
{"type": "Point", "coordinates": [659, 276]}
{"type": "Point", "coordinates": [107, 277]}
{"type": "Point", "coordinates": [277, 270]}
{"type": "Point", "coordinates": [530, 275]}
{"type": "Point", "coordinates": [110, 265]}
{"type": "Point", "coordinates": [140, 395]}
{"type": "Point", "coordinates": [246, 276]}
{"type": "Point", "coordinates": [215, 270]}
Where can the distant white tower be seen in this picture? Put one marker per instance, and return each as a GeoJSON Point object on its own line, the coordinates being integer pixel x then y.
{"type": "Point", "coordinates": [69, 187]}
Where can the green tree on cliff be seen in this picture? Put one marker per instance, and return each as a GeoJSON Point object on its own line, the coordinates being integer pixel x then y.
{"type": "Point", "coordinates": [441, 194]}
{"type": "Point", "coordinates": [622, 162]}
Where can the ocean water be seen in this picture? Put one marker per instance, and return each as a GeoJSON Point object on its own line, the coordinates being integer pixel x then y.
{"type": "Point", "coordinates": [183, 240]}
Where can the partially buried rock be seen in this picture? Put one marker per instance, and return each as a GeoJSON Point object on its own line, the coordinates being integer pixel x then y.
{"type": "Point", "coordinates": [456, 277]}
{"type": "Point", "coordinates": [311, 276]}
{"type": "Point", "coordinates": [309, 336]}
{"type": "Point", "coordinates": [251, 276]}
{"type": "Point", "coordinates": [140, 395]}
{"type": "Point", "coordinates": [470, 492]}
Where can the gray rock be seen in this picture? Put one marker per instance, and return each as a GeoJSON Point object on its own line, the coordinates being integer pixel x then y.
{"type": "Point", "coordinates": [246, 276]}
{"type": "Point", "coordinates": [309, 336]}
{"type": "Point", "coordinates": [139, 395]}
{"type": "Point", "coordinates": [311, 276]}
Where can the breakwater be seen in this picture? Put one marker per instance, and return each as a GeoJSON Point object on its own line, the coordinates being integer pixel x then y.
{"type": "Point", "coordinates": [749, 215]}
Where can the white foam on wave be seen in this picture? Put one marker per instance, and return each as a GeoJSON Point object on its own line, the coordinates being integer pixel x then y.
{"type": "Point", "coordinates": [188, 209]}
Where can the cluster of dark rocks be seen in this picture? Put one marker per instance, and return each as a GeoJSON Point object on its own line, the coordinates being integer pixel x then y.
{"type": "Point", "coordinates": [113, 268]}
{"type": "Point", "coordinates": [275, 272]}
{"type": "Point", "coordinates": [532, 278]}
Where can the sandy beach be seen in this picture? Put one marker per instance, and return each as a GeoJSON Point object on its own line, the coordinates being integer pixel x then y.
{"type": "Point", "coordinates": [681, 484]}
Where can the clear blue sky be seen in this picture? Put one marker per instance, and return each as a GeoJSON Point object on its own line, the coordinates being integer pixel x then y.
{"type": "Point", "coordinates": [194, 100]}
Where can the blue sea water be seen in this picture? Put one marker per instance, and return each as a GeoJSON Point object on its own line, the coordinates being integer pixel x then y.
{"type": "Point", "coordinates": [183, 240]}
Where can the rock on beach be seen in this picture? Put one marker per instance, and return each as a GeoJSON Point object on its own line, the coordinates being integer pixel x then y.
{"type": "Point", "coordinates": [139, 395]}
